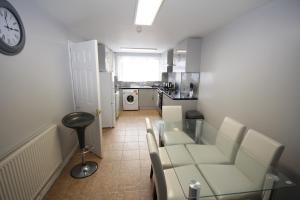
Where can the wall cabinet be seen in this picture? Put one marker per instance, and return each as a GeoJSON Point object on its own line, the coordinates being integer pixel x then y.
{"type": "Point", "coordinates": [147, 98]}
{"type": "Point", "coordinates": [187, 54]}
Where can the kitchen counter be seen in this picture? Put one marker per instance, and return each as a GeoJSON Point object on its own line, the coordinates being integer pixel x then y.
{"type": "Point", "coordinates": [171, 94]}
{"type": "Point", "coordinates": [176, 95]}
{"type": "Point", "coordinates": [137, 87]}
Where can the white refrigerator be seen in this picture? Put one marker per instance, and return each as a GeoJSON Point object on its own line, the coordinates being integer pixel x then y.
{"type": "Point", "coordinates": [108, 104]}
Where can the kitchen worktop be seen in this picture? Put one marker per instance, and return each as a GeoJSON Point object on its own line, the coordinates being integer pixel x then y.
{"type": "Point", "coordinates": [138, 87]}
{"type": "Point", "coordinates": [171, 94]}
{"type": "Point", "coordinates": [176, 95]}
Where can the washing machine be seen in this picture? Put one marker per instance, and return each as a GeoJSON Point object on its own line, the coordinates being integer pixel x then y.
{"type": "Point", "coordinates": [130, 99]}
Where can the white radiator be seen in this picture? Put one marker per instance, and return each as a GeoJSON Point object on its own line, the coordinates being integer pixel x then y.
{"type": "Point", "coordinates": [24, 173]}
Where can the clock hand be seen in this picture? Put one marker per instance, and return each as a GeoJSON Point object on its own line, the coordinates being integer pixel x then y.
{"type": "Point", "coordinates": [13, 29]}
{"type": "Point", "coordinates": [5, 17]}
{"type": "Point", "coordinates": [8, 28]}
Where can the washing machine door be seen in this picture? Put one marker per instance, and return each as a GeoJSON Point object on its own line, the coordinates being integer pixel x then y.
{"type": "Point", "coordinates": [130, 99]}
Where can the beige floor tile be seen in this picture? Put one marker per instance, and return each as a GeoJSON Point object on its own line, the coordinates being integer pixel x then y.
{"type": "Point", "coordinates": [146, 163]}
{"type": "Point", "coordinates": [135, 164]}
{"type": "Point", "coordinates": [131, 138]}
{"type": "Point", "coordinates": [131, 155]}
{"type": "Point", "coordinates": [113, 146]}
{"type": "Point", "coordinates": [142, 138]}
{"type": "Point", "coordinates": [132, 132]}
{"type": "Point", "coordinates": [143, 145]}
{"type": "Point", "coordinates": [131, 146]}
{"type": "Point", "coordinates": [112, 155]}
{"type": "Point", "coordinates": [144, 154]}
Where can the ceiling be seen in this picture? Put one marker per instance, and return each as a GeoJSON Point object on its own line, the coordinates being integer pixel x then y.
{"type": "Point", "coordinates": [112, 21]}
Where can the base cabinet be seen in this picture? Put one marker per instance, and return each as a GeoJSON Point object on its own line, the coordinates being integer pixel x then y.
{"type": "Point", "coordinates": [147, 99]}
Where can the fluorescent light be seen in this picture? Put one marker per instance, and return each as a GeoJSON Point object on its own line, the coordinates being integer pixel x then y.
{"type": "Point", "coordinates": [138, 50]}
{"type": "Point", "coordinates": [146, 11]}
{"type": "Point", "coordinates": [181, 51]}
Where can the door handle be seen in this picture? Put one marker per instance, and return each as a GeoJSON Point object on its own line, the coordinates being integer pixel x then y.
{"type": "Point", "coordinates": [98, 112]}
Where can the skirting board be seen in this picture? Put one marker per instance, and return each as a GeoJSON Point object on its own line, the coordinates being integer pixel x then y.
{"type": "Point", "coordinates": [56, 174]}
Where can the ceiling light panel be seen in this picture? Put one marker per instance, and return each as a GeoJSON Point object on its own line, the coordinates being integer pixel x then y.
{"type": "Point", "coordinates": [138, 50]}
{"type": "Point", "coordinates": [146, 11]}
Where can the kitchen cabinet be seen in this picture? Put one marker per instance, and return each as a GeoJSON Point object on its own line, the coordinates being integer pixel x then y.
{"type": "Point", "coordinates": [147, 98]}
{"type": "Point", "coordinates": [106, 58]}
{"type": "Point", "coordinates": [187, 55]}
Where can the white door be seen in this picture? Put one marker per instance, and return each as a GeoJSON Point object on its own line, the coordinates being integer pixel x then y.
{"type": "Point", "coordinates": [84, 69]}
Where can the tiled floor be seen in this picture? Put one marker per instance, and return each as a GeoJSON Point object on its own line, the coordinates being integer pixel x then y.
{"type": "Point", "coordinates": [124, 169]}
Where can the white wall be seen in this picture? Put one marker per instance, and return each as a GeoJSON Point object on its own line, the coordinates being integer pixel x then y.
{"type": "Point", "coordinates": [35, 87]}
{"type": "Point", "coordinates": [250, 71]}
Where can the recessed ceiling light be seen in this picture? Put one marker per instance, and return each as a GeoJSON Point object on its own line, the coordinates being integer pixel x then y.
{"type": "Point", "coordinates": [146, 11]}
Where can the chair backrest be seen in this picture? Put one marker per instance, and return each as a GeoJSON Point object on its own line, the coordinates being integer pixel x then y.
{"type": "Point", "coordinates": [229, 137]}
{"type": "Point", "coordinates": [149, 127]}
{"type": "Point", "coordinates": [172, 113]}
{"type": "Point", "coordinates": [256, 154]}
{"type": "Point", "coordinates": [159, 176]}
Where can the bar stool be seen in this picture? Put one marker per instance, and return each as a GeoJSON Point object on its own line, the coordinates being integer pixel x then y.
{"type": "Point", "coordinates": [79, 121]}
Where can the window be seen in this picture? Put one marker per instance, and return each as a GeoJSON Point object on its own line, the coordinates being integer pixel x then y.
{"type": "Point", "coordinates": [138, 67]}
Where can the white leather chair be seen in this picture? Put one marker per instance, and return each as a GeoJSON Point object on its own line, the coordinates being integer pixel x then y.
{"type": "Point", "coordinates": [168, 183]}
{"type": "Point", "coordinates": [178, 153]}
{"type": "Point", "coordinates": [254, 158]}
{"type": "Point", "coordinates": [173, 156]}
{"type": "Point", "coordinates": [173, 114]}
{"type": "Point", "coordinates": [224, 151]}
{"type": "Point", "coordinates": [149, 126]}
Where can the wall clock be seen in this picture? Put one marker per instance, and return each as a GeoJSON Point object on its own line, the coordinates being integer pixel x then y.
{"type": "Point", "coordinates": [12, 33]}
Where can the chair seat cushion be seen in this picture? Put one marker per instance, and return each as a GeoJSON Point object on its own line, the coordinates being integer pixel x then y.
{"type": "Point", "coordinates": [229, 180]}
{"type": "Point", "coordinates": [178, 180]}
{"type": "Point", "coordinates": [178, 155]}
{"type": "Point", "coordinates": [207, 154]}
{"type": "Point", "coordinates": [176, 137]}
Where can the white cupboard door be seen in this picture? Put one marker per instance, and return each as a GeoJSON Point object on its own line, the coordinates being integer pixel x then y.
{"type": "Point", "coordinates": [84, 68]}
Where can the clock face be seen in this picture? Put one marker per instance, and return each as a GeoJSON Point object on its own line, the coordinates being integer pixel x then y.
{"type": "Point", "coordinates": [10, 32]}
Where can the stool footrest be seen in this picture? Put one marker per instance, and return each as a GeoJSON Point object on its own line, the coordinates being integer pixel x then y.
{"type": "Point", "coordinates": [86, 150]}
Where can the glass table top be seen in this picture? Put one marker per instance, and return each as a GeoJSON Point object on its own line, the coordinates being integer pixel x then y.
{"type": "Point", "coordinates": [224, 167]}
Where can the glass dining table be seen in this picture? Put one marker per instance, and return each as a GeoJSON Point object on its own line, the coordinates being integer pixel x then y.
{"type": "Point", "coordinates": [228, 169]}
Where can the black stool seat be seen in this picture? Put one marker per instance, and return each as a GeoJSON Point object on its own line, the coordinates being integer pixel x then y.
{"type": "Point", "coordinates": [193, 114]}
{"type": "Point", "coordinates": [79, 121]}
